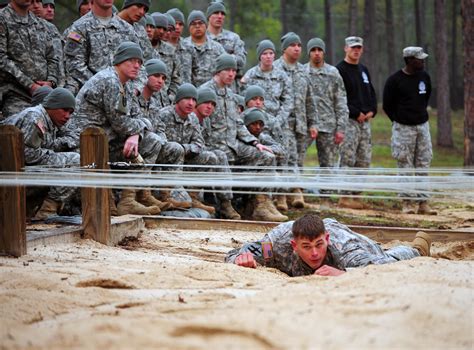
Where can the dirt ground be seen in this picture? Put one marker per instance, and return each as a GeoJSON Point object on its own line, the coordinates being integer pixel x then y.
{"type": "Point", "coordinates": [170, 290]}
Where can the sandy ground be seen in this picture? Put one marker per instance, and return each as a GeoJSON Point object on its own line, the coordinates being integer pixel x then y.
{"type": "Point", "coordinates": [170, 290]}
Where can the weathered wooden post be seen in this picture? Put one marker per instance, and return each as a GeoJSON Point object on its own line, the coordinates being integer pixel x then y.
{"type": "Point", "coordinates": [13, 203]}
{"type": "Point", "coordinates": [95, 201]}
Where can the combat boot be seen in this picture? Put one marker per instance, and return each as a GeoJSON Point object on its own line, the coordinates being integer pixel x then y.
{"type": "Point", "coordinates": [422, 243]}
{"type": "Point", "coordinates": [407, 207]}
{"type": "Point", "coordinates": [271, 207]}
{"type": "Point", "coordinates": [424, 209]}
{"type": "Point", "coordinates": [165, 196]}
{"type": "Point", "coordinates": [262, 211]}
{"type": "Point", "coordinates": [296, 199]}
{"type": "Point", "coordinates": [128, 205]}
{"type": "Point", "coordinates": [350, 203]}
{"type": "Point", "coordinates": [227, 210]}
{"type": "Point", "coordinates": [147, 199]}
{"type": "Point", "coordinates": [48, 208]}
{"type": "Point", "coordinates": [196, 203]}
{"type": "Point", "coordinates": [281, 202]}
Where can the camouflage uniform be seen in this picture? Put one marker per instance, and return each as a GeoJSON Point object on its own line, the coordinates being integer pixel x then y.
{"type": "Point", "coordinates": [356, 150]}
{"type": "Point", "coordinates": [144, 41]}
{"type": "Point", "coordinates": [303, 116]}
{"type": "Point", "coordinates": [184, 60]}
{"type": "Point", "coordinates": [56, 39]}
{"type": "Point", "coordinates": [346, 249]}
{"type": "Point", "coordinates": [202, 59]}
{"type": "Point", "coordinates": [41, 146]}
{"type": "Point", "coordinates": [91, 45]}
{"type": "Point", "coordinates": [333, 112]}
{"type": "Point", "coordinates": [233, 45]}
{"type": "Point", "coordinates": [168, 54]}
{"type": "Point", "coordinates": [265, 138]}
{"type": "Point", "coordinates": [26, 55]}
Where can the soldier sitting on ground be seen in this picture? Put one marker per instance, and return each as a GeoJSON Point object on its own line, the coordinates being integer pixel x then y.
{"type": "Point", "coordinates": [326, 247]}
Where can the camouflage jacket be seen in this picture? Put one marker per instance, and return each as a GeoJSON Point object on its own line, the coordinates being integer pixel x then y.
{"type": "Point", "coordinates": [104, 102]}
{"type": "Point", "coordinates": [304, 114]}
{"type": "Point", "coordinates": [233, 45]}
{"type": "Point", "coordinates": [225, 127]}
{"type": "Point", "coordinates": [151, 110]}
{"type": "Point", "coordinates": [26, 51]}
{"type": "Point", "coordinates": [329, 89]}
{"type": "Point", "coordinates": [91, 45]}
{"type": "Point", "coordinates": [279, 100]}
{"type": "Point", "coordinates": [56, 39]}
{"type": "Point", "coordinates": [145, 43]}
{"type": "Point", "coordinates": [186, 132]}
{"type": "Point", "coordinates": [346, 249]}
{"type": "Point", "coordinates": [167, 53]}
{"type": "Point", "coordinates": [202, 59]}
{"type": "Point", "coordinates": [39, 135]}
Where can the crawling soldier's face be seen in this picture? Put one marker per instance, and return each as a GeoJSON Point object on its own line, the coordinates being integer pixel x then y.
{"type": "Point", "coordinates": [312, 252]}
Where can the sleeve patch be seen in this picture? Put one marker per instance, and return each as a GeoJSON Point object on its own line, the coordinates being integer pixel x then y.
{"type": "Point", "coordinates": [267, 250]}
{"type": "Point", "coordinates": [75, 36]}
{"type": "Point", "coordinates": [41, 126]}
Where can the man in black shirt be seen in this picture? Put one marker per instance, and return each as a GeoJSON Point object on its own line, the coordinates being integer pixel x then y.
{"type": "Point", "coordinates": [356, 150]}
{"type": "Point", "coordinates": [405, 98]}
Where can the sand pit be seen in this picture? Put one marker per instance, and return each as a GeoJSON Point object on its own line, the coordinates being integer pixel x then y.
{"type": "Point", "coordinates": [170, 290]}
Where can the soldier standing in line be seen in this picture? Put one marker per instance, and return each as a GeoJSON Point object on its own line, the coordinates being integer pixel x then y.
{"type": "Point", "coordinates": [303, 117]}
{"type": "Point", "coordinates": [27, 57]}
{"type": "Point", "coordinates": [132, 12]}
{"type": "Point", "coordinates": [40, 125]}
{"type": "Point", "coordinates": [230, 41]}
{"type": "Point", "coordinates": [49, 10]}
{"type": "Point", "coordinates": [356, 149]}
{"type": "Point", "coordinates": [167, 53]}
{"type": "Point", "coordinates": [227, 132]}
{"type": "Point", "coordinates": [333, 112]}
{"type": "Point", "coordinates": [92, 41]}
{"type": "Point", "coordinates": [405, 99]}
{"type": "Point", "coordinates": [83, 6]}
{"type": "Point", "coordinates": [149, 27]}
{"type": "Point", "coordinates": [178, 42]}
{"type": "Point", "coordinates": [107, 100]}
{"type": "Point", "coordinates": [201, 52]}
{"type": "Point", "coordinates": [326, 247]}
{"type": "Point", "coordinates": [279, 100]}
{"type": "Point", "coordinates": [205, 106]}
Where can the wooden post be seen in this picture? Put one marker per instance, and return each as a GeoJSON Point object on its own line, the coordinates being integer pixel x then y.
{"type": "Point", "coordinates": [13, 203]}
{"type": "Point", "coordinates": [95, 201]}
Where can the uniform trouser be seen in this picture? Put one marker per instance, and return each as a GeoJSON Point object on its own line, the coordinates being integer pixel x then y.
{"type": "Point", "coordinates": [226, 192]}
{"type": "Point", "coordinates": [411, 147]}
{"type": "Point", "coordinates": [388, 256]}
{"type": "Point", "coordinates": [356, 149]}
{"type": "Point", "coordinates": [13, 103]}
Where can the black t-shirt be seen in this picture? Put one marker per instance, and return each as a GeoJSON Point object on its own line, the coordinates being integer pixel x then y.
{"type": "Point", "coordinates": [405, 97]}
{"type": "Point", "coordinates": [360, 92]}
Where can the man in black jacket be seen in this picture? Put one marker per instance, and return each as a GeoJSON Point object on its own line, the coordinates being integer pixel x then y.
{"type": "Point", "coordinates": [405, 98]}
{"type": "Point", "coordinates": [356, 150]}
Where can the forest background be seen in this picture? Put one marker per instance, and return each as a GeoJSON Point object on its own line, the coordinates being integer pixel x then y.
{"type": "Point", "coordinates": [386, 26]}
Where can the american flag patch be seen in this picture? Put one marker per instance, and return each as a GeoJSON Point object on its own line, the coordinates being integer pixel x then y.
{"type": "Point", "coordinates": [267, 250]}
{"type": "Point", "coordinates": [40, 126]}
{"type": "Point", "coordinates": [75, 36]}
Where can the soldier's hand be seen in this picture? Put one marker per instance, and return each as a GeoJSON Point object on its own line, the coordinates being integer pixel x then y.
{"type": "Point", "coordinates": [338, 137]}
{"type": "Point", "coordinates": [130, 149]}
{"type": "Point", "coordinates": [33, 87]}
{"type": "Point", "coordinates": [326, 270]}
{"type": "Point", "coordinates": [369, 115]}
{"type": "Point", "coordinates": [313, 133]}
{"type": "Point", "coordinates": [361, 118]}
{"type": "Point", "coordinates": [246, 260]}
{"type": "Point", "coordinates": [262, 148]}
{"type": "Point", "coordinates": [44, 83]}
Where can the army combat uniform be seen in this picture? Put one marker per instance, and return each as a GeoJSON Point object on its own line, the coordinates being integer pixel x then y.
{"type": "Point", "coordinates": [346, 249]}
{"type": "Point", "coordinates": [168, 54]}
{"type": "Point", "coordinates": [27, 55]}
{"type": "Point", "coordinates": [333, 112]}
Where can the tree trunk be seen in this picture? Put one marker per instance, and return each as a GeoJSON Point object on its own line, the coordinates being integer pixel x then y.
{"type": "Point", "coordinates": [352, 30]}
{"type": "Point", "coordinates": [234, 10]}
{"type": "Point", "coordinates": [284, 22]}
{"type": "Point", "coordinates": [390, 32]}
{"type": "Point", "coordinates": [454, 44]}
{"type": "Point", "coordinates": [467, 9]}
{"type": "Point", "coordinates": [419, 22]}
{"type": "Point", "coordinates": [331, 58]}
{"type": "Point", "coordinates": [369, 34]}
{"type": "Point", "coordinates": [445, 137]}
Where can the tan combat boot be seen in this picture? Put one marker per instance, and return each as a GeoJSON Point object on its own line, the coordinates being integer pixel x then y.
{"type": "Point", "coordinates": [128, 205]}
{"type": "Point", "coordinates": [165, 196]}
{"type": "Point", "coordinates": [196, 203]}
{"type": "Point", "coordinates": [271, 207]}
{"type": "Point", "coordinates": [424, 209]}
{"type": "Point", "coordinates": [48, 208]}
{"type": "Point", "coordinates": [407, 207]}
{"type": "Point", "coordinates": [281, 202]}
{"type": "Point", "coordinates": [350, 203]}
{"type": "Point", "coordinates": [297, 199]}
{"type": "Point", "coordinates": [262, 210]}
{"type": "Point", "coordinates": [227, 210]}
{"type": "Point", "coordinates": [422, 243]}
{"type": "Point", "coordinates": [147, 199]}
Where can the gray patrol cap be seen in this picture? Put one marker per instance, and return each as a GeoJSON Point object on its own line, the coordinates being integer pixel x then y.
{"type": "Point", "coordinates": [161, 21]}
{"type": "Point", "coordinates": [252, 115]}
{"type": "Point", "coordinates": [254, 91]}
{"type": "Point", "coordinates": [315, 42]}
{"type": "Point", "coordinates": [215, 6]}
{"type": "Point", "coordinates": [48, 2]}
{"type": "Point", "coordinates": [60, 98]}
{"type": "Point", "coordinates": [177, 14]}
{"type": "Point", "coordinates": [186, 90]}
{"type": "Point", "coordinates": [196, 15]}
{"type": "Point", "coordinates": [156, 66]}
{"type": "Point", "coordinates": [126, 51]}
{"type": "Point", "coordinates": [352, 41]}
{"type": "Point", "coordinates": [414, 51]}
{"type": "Point", "coordinates": [206, 95]}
